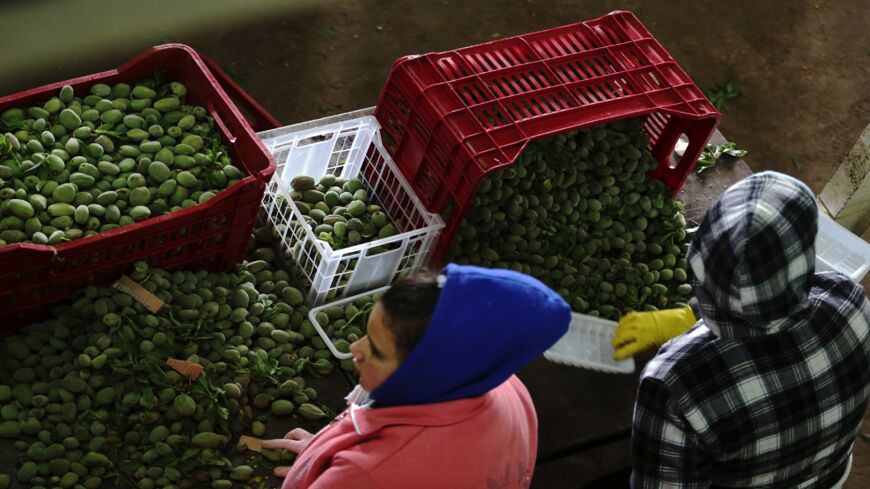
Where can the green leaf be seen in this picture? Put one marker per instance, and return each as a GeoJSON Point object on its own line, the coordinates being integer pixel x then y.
{"type": "Point", "coordinates": [363, 311]}
{"type": "Point", "coordinates": [16, 157]}
{"type": "Point", "coordinates": [189, 453]}
{"type": "Point", "coordinates": [220, 412]}
{"type": "Point", "coordinates": [797, 164]}
{"type": "Point", "coordinates": [33, 168]}
{"type": "Point", "coordinates": [12, 126]}
{"type": "Point", "coordinates": [721, 93]}
{"type": "Point", "coordinates": [737, 153]}
{"type": "Point", "coordinates": [712, 153]}
{"type": "Point", "coordinates": [111, 134]}
{"type": "Point", "coordinates": [156, 378]}
{"type": "Point", "coordinates": [5, 147]}
{"type": "Point", "coordinates": [158, 209]}
{"type": "Point", "coordinates": [264, 369]}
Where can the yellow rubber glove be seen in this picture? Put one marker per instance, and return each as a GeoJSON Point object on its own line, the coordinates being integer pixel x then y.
{"type": "Point", "coordinates": [639, 331]}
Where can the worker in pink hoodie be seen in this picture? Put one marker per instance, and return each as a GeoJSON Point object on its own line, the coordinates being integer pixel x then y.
{"type": "Point", "coordinates": [438, 405]}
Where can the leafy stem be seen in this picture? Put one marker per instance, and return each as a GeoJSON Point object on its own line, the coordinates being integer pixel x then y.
{"type": "Point", "coordinates": [712, 153]}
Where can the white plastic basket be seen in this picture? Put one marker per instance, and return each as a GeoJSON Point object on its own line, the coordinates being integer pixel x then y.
{"type": "Point", "coordinates": [312, 316]}
{"type": "Point", "coordinates": [347, 148]}
{"type": "Point", "coordinates": [837, 249]}
{"type": "Point", "coordinates": [587, 344]}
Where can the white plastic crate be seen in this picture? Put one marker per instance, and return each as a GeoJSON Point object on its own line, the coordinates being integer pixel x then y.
{"type": "Point", "coordinates": [837, 249]}
{"type": "Point", "coordinates": [312, 316]}
{"type": "Point", "coordinates": [587, 344]}
{"type": "Point", "coordinates": [347, 148]}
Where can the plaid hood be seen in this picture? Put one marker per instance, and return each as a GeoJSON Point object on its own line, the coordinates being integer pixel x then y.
{"type": "Point", "coordinates": [752, 260]}
{"type": "Point", "coordinates": [777, 399]}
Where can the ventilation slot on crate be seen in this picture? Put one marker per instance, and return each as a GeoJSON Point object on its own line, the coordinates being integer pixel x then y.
{"type": "Point", "coordinates": [450, 69]}
{"type": "Point", "coordinates": [610, 32]}
{"type": "Point", "coordinates": [630, 58]}
{"type": "Point", "coordinates": [427, 183]}
{"type": "Point", "coordinates": [584, 68]}
{"type": "Point", "coordinates": [593, 93]}
{"type": "Point", "coordinates": [654, 126]}
{"type": "Point", "coordinates": [540, 105]}
{"type": "Point", "coordinates": [498, 56]}
{"type": "Point", "coordinates": [649, 80]}
{"type": "Point", "coordinates": [519, 83]}
{"type": "Point", "coordinates": [574, 39]}
{"type": "Point", "coordinates": [473, 94]}
{"type": "Point", "coordinates": [392, 133]}
{"type": "Point", "coordinates": [492, 116]}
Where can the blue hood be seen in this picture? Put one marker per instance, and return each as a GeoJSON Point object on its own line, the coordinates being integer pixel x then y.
{"type": "Point", "coordinates": [486, 326]}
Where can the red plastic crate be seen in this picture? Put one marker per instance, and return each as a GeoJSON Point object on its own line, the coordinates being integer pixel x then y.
{"type": "Point", "coordinates": [212, 235]}
{"type": "Point", "coordinates": [450, 118]}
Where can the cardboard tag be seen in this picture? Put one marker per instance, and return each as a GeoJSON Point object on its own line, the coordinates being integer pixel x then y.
{"type": "Point", "coordinates": [253, 444]}
{"type": "Point", "coordinates": [144, 296]}
{"type": "Point", "coordinates": [188, 369]}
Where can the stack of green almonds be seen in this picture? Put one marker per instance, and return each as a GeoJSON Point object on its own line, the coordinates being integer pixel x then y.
{"type": "Point", "coordinates": [76, 166]}
{"type": "Point", "coordinates": [580, 212]}
{"type": "Point", "coordinates": [339, 211]}
{"type": "Point", "coordinates": [90, 402]}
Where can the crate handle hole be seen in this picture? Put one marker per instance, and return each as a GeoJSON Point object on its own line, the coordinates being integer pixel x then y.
{"type": "Point", "coordinates": [679, 149]}
{"type": "Point", "coordinates": [314, 140]}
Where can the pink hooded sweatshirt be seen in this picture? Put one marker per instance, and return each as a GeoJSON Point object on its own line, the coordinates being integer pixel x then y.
{"type": "Point", "coordinates": [488, 442]}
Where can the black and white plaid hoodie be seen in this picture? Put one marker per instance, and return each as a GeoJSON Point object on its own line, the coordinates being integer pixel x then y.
{"type": "Point", "coordinates": [768, 389]}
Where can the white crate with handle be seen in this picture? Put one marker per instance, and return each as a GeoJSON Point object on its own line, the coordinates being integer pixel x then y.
{"type": "Point", "coordinates": [323, 330]}
{"type": "Point", "coordinates": [347, 147]}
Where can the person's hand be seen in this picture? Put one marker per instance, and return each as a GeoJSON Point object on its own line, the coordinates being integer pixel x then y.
{"type": "Point", "coordinates": [294, 441]}
{"type": "Point", "coordinates": [639, 331]}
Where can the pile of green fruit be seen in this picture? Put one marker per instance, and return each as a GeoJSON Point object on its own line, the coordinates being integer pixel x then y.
{"type": "Point", "coordinates": [339, 211]}
{"type": "Point", "coordinates": [76, 166]}
{"type": "Point", "coordinates": [580, 212]}
{"type": "Point", "coordinates": [90, 401]}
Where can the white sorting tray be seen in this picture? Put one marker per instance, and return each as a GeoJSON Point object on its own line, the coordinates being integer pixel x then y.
{"type": "Point", "coordinates": [837, 249]}
{"type": "Point", "coordinates": [587, 344]}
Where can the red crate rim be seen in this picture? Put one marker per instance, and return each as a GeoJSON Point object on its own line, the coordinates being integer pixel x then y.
{"type": "Point", "coordinates": [96, 238]}
{"type": "Point", "coordinates": [217, 81]}
{"type": "Point", "coordinates": [263, 175]}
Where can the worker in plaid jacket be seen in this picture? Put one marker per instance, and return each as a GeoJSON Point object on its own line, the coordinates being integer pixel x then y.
{"type": "Point", "coordinates": [767, 388]}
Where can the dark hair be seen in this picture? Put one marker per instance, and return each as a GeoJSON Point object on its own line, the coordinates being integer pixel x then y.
{"type": "Point", "coordinates": [409, 304]}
